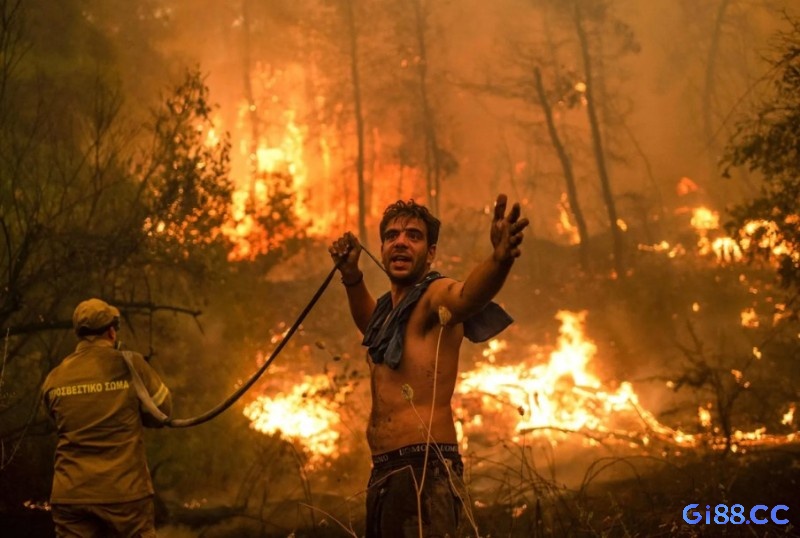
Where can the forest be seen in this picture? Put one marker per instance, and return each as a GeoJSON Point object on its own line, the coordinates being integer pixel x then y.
{"type": "Point", "coordinates": [190, 161]}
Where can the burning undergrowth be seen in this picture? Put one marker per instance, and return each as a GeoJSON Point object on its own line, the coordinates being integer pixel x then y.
{"type": "Point", "coordinates": [547, 391]}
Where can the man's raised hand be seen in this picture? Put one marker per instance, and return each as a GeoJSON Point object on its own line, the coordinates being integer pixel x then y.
{"type": "Point", "coordinates": [506, 232]}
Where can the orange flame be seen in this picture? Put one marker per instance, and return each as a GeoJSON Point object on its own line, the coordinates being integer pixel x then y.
{"type": "Point", "coordinates": [551, 396]}
{"type": "Point", "coordinates": [558, 396]}
{"type": "Point", "coordinates": [300, 416]}
{"type": "Point", "coordinates": [762, 234]}
{"type": "Point", "coordinates": [564, 224]}
{"type": "Point", "coordinates": [704, 218]}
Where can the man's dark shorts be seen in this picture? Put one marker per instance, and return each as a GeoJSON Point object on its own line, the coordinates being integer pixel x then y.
{"type": "Point", "coordinates": [133, 519]}
{"type": "Point", "coordinates": [392, 508]}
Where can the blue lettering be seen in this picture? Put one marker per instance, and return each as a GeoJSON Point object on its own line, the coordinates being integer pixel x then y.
{"type": "Point", "coordinates": [721, 514]}
{"type": "Point", "coordinates": [754, 514]}
{"type": "Point", "coordinates": [779, 508]}
{"type": "Point", "coordinates": [696, 516]}
{"type": "Point", "coordinates": [737, 514]}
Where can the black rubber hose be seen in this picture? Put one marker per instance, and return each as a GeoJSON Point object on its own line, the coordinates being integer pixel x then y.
{"type": "Point", "coordinates": [205, 417]}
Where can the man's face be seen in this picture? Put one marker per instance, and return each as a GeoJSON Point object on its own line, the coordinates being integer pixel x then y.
{"type": "Point", "coordinates": [405, 251]}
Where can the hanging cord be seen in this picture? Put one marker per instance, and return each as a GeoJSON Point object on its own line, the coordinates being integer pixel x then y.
{"type": "Point", "coordinates": [205, 417]}
{"type": "Point", "coordinates": [377, 262]}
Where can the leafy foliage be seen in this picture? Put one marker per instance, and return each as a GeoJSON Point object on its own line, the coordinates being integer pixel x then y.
{"type": "Point", "coordinates": [77, 187]}
{"type": "Point", "coordinates": [768, 142]}
{"type": "Point", "coordinates": [187, 192]}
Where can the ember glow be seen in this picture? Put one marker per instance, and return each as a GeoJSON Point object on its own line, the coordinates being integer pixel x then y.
{"type": "Point", "coordinates": [749, 318]}
{"type": "Point", "coordinates": [726, 250]}
{"type": "Point", "coordinates": [788, 417]}
{"type": "Point", "coordinates": [664, 246]}
{"type": "Point", "coordinates": [564, 225]}
{"type": "Point", "coordinates": [761, 235]}
{"type": "Point", "coordinates": [704, 218]}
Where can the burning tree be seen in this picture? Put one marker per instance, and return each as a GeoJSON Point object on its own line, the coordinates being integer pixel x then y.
{"type": "Point", "coordinates": [184, 181]}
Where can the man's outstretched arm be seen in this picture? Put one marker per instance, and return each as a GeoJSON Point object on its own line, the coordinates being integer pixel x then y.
{"type": "Point", "coordinates": [345, 252]}
{"type": "Point", "coordinates": [466, 298]}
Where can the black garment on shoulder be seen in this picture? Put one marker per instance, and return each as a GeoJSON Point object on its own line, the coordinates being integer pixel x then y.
{"type": "Point", "coordinates": [386, 328]}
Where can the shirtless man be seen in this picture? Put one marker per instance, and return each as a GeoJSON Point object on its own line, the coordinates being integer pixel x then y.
{"type": "Point", "coordinates": [414, 334]}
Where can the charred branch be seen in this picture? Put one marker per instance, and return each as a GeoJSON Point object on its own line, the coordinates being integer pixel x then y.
{"type": "Point", "coordinates": [126, 309]}
{"type": "Point", "coordinates": [566, 167]}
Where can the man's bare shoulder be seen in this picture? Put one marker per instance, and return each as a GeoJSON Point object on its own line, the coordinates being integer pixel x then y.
{"type": "Point", "coordinates": [441, 285]}
{"type": "Point", "coordinates": [434, 296]}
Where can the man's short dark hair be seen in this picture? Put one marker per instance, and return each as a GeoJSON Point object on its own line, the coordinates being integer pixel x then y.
{"type": "Point", "coordinates": [411, 209]}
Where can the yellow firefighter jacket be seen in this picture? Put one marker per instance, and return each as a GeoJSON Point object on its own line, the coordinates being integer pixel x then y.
{"type": "Point", "coordinates": [100, 456]}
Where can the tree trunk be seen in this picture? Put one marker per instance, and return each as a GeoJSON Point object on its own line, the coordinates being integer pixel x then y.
{"type": "Point", "coordinates": [350, 19]}
{"type": "Point", "coordinates": [708, 87]}
{"type": "Point", "coordinates": [566, 166]}
{"type": "Point", "coordinates": [252, 112]}
{"type": "Point", "coordinates": [597, 146]}
{"type": "Point", "coordinates": [433, 168]}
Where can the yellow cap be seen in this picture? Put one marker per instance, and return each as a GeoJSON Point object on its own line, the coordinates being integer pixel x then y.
{"type": "Point", "coordinates": [92, 315]}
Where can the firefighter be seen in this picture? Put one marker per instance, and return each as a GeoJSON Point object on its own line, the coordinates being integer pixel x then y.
{"type": "Point", "coordinates": [101, 484]}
